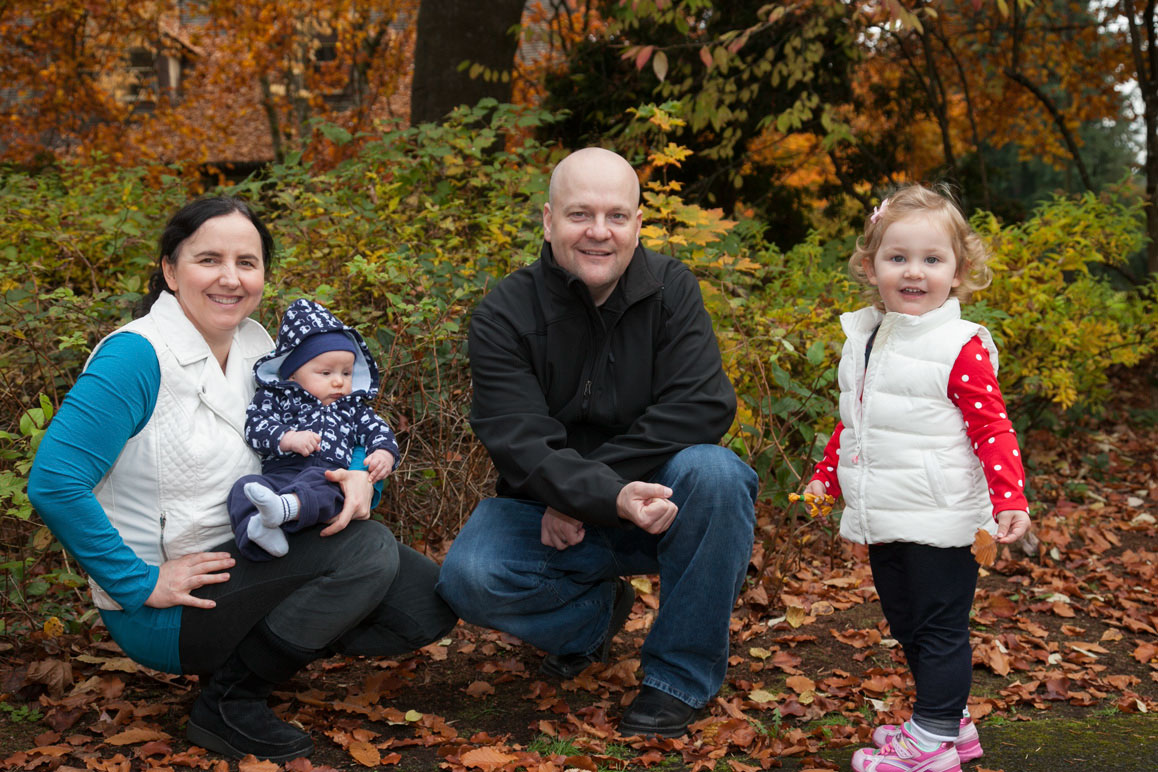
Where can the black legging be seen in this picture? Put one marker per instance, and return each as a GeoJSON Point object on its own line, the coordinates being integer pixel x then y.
{"type": "Point", "coordinates": [356, 592]}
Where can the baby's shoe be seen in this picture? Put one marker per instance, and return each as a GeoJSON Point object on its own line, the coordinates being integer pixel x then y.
{"type": "Point", "coordinates": [904, 754]}
{"type": "Point", "coordinates": [968, 741]}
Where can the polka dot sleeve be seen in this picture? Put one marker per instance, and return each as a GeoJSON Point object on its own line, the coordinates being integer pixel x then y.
{"type": "Point", "coordinates": [826, 470]}
{"type": "Point", "coordinates": [973, 389]}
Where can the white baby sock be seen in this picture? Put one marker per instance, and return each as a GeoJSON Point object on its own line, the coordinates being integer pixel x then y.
{"type": "Point", "coordinates": [275, 510]}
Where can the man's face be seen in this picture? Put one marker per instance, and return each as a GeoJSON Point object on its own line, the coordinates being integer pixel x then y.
{"type": "Point", "coordinates": [593, 218]}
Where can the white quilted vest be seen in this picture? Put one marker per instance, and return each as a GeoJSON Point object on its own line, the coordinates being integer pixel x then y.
{"type": "Point", "coordinates": [907, 469]}
{"type": "Point", "coordinates": [167, 490]}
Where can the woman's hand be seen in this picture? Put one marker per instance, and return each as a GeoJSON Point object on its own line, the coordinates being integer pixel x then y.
{"type": "Point", "coordinates": [359, 492]}
{"type": "Point", "coordinates": [178, 578]}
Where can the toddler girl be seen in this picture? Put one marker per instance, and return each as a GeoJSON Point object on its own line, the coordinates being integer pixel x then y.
{"type": "Point", "coordinates": [925, 455]}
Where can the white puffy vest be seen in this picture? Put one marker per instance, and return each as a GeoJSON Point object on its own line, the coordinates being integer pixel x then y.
{"type": "Point", "coordinates": [166, 493]}
{"type": "Point", "coordinates": [907, 469]}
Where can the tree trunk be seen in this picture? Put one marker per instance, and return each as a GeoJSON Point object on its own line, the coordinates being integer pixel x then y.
{"type": "Point", "coordinates": [454, 37]}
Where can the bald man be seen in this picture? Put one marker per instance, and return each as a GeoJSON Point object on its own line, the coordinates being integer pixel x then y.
{"type": "Point", "coordinates": [600, 396]}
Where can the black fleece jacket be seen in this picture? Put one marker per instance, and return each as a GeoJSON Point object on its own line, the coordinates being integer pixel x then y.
{"type": "Point", "coordinates": [574, 401]}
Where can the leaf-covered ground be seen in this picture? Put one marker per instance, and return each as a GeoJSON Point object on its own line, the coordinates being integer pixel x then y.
{"type": "Point", "coordinates": [1065, 662]}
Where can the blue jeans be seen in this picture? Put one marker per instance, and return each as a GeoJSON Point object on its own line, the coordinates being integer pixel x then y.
{"type": "Point", "coordinates": [499, 574]}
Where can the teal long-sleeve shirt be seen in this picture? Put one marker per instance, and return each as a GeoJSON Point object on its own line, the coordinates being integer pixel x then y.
{"type": "Point", "coordinates": [109, 404]}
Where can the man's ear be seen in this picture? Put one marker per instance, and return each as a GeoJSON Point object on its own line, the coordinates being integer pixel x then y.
{"type": "Point", "coordinates": [547, 221]}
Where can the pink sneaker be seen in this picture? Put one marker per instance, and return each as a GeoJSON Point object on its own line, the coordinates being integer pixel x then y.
{"type": "Point", "coordinates": [968, 741]}
{"type": "Point", "coordinates": [902, 754]}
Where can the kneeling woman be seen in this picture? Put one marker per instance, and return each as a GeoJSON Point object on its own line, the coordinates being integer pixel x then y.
{"type": "Point", "coordinates": [133, 475]}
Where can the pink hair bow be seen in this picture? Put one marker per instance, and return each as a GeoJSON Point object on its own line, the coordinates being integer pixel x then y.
{"type": "Point", "coordinates": [878, 211]}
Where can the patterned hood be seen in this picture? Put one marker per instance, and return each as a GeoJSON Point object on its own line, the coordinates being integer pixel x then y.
{"type": "Point", "coordinates": [303, 319]}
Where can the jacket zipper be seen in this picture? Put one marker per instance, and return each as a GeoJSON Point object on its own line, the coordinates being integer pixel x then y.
{"type": "Point", "coordinates": [164, 553]}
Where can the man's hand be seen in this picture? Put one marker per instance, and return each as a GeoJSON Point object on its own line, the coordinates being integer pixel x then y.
{"type": "Point", "coordinates": [358, 491]}
{"type": "Point", "coordinates": [648, 505]}
{"type": "Point", "coordinates": [380, 463]}
{"type": "Point", "coordinates": [178, 578]}
{"type": "Point", "coordinates": [1011, 525]}
{"type": "Point", "coordinates": [302, 443]}
{"type": "Point", "coordinates": [560, 531]}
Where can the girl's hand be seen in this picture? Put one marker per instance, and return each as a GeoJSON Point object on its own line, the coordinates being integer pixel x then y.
{"type": "Point", "coordinates": [1011, 525]}
{"type": "Point", "coordinates": [178, 579]}
{"type": "Point", "coordinates": [816, 488]}
{"type": "Point", "coordinates": [358, 490]}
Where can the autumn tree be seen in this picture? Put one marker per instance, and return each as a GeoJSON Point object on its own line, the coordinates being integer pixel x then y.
{"type": "Point", "coordinates": [1139, 22]}
{"type": "Point", "coordinates": [243, 80]}
{"type": "Point", "coordinates": [465, 51]}
{"type": "Point", "coordinates": [756, 84]}
{"type": "Point", "coordinates": [63, 72]}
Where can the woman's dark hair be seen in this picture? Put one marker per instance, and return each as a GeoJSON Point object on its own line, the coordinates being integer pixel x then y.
{"type": "Point", "coordinates": [184, 224]}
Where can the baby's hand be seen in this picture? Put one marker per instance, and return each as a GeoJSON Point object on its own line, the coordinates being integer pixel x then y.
{"type": "Point", "coordinates": [379, 464]}
{"type": "Point", "coordinates": [302, 443]}
{"type": "Point", "coordinates": [1011, 525]}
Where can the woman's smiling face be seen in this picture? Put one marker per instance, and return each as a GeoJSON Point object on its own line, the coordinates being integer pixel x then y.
{"type": "Point", "coordinates": [218, 275]}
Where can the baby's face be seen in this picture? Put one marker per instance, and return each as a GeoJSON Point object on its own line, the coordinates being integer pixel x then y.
{"type": "Point", "coordinates": [328, 376]}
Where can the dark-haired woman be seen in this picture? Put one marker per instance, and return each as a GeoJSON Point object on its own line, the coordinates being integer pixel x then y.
{"type": "Point", "coordinates": [133, 475]}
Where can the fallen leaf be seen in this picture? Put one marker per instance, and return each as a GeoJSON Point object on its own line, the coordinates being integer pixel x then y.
{"type": "Point", "coordinates": [252, 764]}
{"type": "Point", "coordinates": [480, 689]}
{"type": "Point", "coordinates": [800, 684]}
{"type": "Point", "coordinates": [364, 753]}
{"type": "Point", "coordinates": [137, 735]}
{"type": "Point", "coordinates": [486, 758]}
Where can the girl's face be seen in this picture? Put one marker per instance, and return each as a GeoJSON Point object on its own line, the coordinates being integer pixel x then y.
{"type": "Point", "coordinates": [218, 275]}
{"type": "Point", "coordinates": [914, 268]}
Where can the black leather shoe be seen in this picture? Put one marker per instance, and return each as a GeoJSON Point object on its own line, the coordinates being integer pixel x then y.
{"type": "Point", "coordinates": [567, 666]}
{"type": "Point", "coordinates": [656, 713]}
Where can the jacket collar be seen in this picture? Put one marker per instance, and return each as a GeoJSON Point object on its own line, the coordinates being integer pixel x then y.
{"type": "Point", "coordinates": [860, 324]}
{"type": "Point", "coordinates": [186, 343]}
{"type": "Point", "coordinates": [637, 282]}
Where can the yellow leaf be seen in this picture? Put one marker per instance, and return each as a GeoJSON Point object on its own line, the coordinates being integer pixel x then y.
{"type": "Point", "coordinates": [413, 715]}
{"type": "Point", "coordinates": [642, 584]}
{"type": "Point", "coordinates": [795, 615]}
{"type": "Point", "coordinates": [53, 627]}
{"type": "Point", "coordinates": [759, 653]}
{"type": "Point", "coordinates": [761, 696]}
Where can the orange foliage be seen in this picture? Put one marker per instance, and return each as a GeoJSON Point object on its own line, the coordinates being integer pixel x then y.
{"type": "Point", "coordinates": [211, 83]}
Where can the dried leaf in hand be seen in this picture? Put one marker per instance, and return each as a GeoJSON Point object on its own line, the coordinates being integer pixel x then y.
{"type": "Point", "coordinates": [984, 547]}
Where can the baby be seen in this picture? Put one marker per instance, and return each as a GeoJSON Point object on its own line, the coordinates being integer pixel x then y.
{"type": "Point", "coordinates": [308, 415]}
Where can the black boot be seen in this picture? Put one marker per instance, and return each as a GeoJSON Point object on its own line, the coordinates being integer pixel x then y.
{"type": "Point", "coordinates": [231, 716]}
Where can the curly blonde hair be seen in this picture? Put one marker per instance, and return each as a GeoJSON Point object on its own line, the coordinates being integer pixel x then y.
{"type": "Point", "coordinates": [971, 252]}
